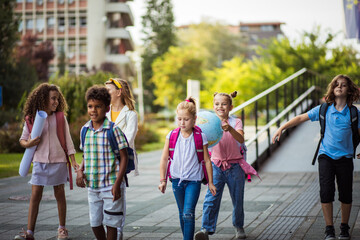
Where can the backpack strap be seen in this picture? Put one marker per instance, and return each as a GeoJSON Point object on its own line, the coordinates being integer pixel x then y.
{"type": "Point", "coordinates": [354, 127]}
{"type": "Point", "coordinates": [198, 143]}
{"type": "Point", "coordinates": [29, 123]}
{"type": "Point", "coordinates": [322, 121]}
{"type": "Point", "coordinates": [60, 131]}
{"type": "Point", "coordinates": [200, 152]}
{"type": "Point", "coordinates": [172, 141]}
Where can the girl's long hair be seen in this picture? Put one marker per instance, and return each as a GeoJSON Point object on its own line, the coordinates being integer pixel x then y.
{"type": "Point", "coordinates": [126, 97]}
{"type": "Point", "coordinates": [38, 99]}
{"type": "Point", "coordinates": [353, 90]}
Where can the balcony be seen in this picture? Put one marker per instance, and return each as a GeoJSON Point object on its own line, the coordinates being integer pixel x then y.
{"type": "Point", "coordinates": [124, 9]}
{"type": "Point", "coordinates": [117, 58]}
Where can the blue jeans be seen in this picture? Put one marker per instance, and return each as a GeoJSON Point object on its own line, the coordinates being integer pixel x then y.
{"type": "Point", "coordinates": [186, 195]}
{"type": "Point", "coordinates": [235, 179]}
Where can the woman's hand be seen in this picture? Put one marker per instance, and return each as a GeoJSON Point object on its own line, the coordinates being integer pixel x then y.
{"type": "Point", "coordinates": [212, 189]}
{"type": "Point", "coordinates": [162, 187]}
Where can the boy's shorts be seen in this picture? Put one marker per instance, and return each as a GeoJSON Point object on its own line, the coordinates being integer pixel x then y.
{"type": "Point", "coordinates": [103, 210]}
{"type": "Point", "coordinates": [341, 171]}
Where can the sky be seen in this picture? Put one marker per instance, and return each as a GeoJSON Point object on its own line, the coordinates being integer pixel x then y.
{"type": "Point", "coordinates": [298, 16]}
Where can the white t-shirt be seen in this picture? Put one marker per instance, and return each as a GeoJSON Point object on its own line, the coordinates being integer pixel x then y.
{"type": "Point", "coordinates": [185, 164]}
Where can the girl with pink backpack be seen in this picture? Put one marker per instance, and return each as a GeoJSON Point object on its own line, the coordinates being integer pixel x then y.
{"type": "Point", "coordinates": [186, 170]}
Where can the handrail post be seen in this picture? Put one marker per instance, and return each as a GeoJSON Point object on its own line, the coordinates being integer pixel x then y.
{"type": "Point", "coordinates": [268, 120]}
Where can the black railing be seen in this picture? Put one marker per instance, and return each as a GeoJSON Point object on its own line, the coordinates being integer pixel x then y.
{"type": "Point", "coordinates": [292, 96]}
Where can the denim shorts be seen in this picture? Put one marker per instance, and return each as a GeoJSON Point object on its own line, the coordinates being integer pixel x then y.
{"type": "Point", "coordinates": [341, 170]}
{"type": "Point", "coordinates": [103, 210]}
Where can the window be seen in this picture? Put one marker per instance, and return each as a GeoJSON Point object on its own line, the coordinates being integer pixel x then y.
{"type": "Point", "coordinates": [82, 49]}
{"type": "Point", "coordinates": [40, 24]}
{"type": "Point", "coordinates": [19, 1]}
{"type": "Point", "coordinates": [61, 24]}
{"type": "Point", "coordinates": [29, 24]}
{"type": "Point", "coordinates": [29, 1]}
{"type": "Point", "coordinates": [267, 28]}
{"type": "Point", "coordinates": [82, 21]}
{"type": "Point", "coordinates": [71, 51]}
{"type": "Point", "coordinates": [72, 22]}
{"type": "Point", "coordinates": [61, 2]}
{"type": "Point", "coordinates": [21, 25]}
{"type": "Point", "coordinates": [70, 1]}
{"type": "Point", "coordinates": [39, 2]}
{"type": "Point", "coordinates": [244, 28]}
{"type": "Point", "coordinates": [60, 46]}
{"type": "Point", "coordinates": [50, 22]}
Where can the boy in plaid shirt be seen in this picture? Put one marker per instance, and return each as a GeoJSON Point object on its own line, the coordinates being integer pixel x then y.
{"type": "Point", "coordinates": [101, 172]}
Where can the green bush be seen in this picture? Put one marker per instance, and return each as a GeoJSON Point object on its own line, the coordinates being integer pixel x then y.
{"type": "Point", "coordinates": [75, 128]}
{"type": "Point", "coordinates": [9, 138]}
{"type": "Point", "coordinates": [144, 136]}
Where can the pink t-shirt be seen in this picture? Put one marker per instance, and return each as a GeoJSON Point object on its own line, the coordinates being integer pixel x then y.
{"type": "Point", "coordinates": [227, 150]}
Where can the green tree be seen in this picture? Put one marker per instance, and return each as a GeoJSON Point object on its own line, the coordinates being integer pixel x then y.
{"type": "Point", "coordinates": [158, 28]}
{"type": "Point", "coordinates": [171, 72]}
{"type": "Point", "coordinates": [8, 37]}
{"type": "Point", "coordinates": [213, 42]}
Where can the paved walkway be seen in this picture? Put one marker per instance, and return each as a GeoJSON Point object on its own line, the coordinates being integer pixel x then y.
{"type": "Point", "coordinates": [284, 205]}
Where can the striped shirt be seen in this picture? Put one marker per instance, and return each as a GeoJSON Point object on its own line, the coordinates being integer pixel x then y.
{"type": "Point", "coordinates": [100, 167]}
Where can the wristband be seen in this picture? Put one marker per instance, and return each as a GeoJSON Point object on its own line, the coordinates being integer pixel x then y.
{"type": "Point", "coordinates": [162, 180]}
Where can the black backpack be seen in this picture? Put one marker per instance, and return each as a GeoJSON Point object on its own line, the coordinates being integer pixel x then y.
{"type": "Point", "coordinates": [354, 127]}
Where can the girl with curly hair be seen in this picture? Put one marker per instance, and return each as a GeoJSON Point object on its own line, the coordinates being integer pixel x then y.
{"type": "Point", "coordinates": [50, 160]}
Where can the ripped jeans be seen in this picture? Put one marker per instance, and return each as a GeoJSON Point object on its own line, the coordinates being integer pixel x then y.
{"type": "Point", "coordinates": [186, 195]}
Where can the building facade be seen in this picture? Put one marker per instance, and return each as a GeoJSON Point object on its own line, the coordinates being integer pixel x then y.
{"type": "Point", "coordinates": [255, 33]}
{"type": "Point", "coordinates": [88, 32]}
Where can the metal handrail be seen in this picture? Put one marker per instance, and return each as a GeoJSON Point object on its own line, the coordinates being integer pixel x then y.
{"type": "Point", "coordinates": [269, 90]}
{"type": "Point", "coordinates": [308, 84]}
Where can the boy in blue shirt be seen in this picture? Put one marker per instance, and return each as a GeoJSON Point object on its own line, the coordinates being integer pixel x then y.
{"type": "Point", "coordinates": [336, 151]}
{"type": "Point", "coordinates": [101, 172]}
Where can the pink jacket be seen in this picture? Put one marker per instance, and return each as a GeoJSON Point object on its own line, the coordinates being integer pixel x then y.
{"type": "Point", "coordinates": [49, 149]}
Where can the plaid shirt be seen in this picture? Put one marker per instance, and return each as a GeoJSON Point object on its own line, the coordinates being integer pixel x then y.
{"type": "Point", "coordinates": [99, 159]}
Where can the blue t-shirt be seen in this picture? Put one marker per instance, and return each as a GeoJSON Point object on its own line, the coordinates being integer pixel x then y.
{"type": "Point", "coordinates": [337, 141]}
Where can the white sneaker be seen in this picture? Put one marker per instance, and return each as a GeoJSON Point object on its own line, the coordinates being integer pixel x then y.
{"type": "Point", "coordinates": [202, 235]}
{"type": "Point", "coordinates": [240, 233]}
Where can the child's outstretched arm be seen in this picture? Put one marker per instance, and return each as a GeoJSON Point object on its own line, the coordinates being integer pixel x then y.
{"type": "Point", "coordinates": [120, 175]}
{"type": "Point", "coordinates": [291, 123]}
{"type": "Point", "coordinates": [237, 134]}
{"type": "Point", "coordinates": [163, 166]}
{"type": "Point", "coordinates": [209, 170]}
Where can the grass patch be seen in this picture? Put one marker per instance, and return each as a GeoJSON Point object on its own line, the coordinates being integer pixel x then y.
{"type": "Point", "coordinates": [10, 162]}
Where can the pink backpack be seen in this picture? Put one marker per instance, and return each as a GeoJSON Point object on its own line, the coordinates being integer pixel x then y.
{"type": "Point", "coordinates": [199, 150]}
{"type": "Point", "coordinates": [60, 130]}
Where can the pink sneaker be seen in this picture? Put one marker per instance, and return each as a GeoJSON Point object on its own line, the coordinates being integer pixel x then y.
{"type": "Point", "coordinates": [23, 235]}
{"type": "Point", "coordinates": [62, 234]}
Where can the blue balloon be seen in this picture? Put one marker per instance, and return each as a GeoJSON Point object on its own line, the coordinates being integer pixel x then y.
{"type": "Point", "coordinates": [210, 125]}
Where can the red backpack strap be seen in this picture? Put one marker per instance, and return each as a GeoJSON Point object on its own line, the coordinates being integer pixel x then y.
{"type": "Point", "coordinates": [29, 123]}
{"type": "Point", "coordinates": [60, 130]}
